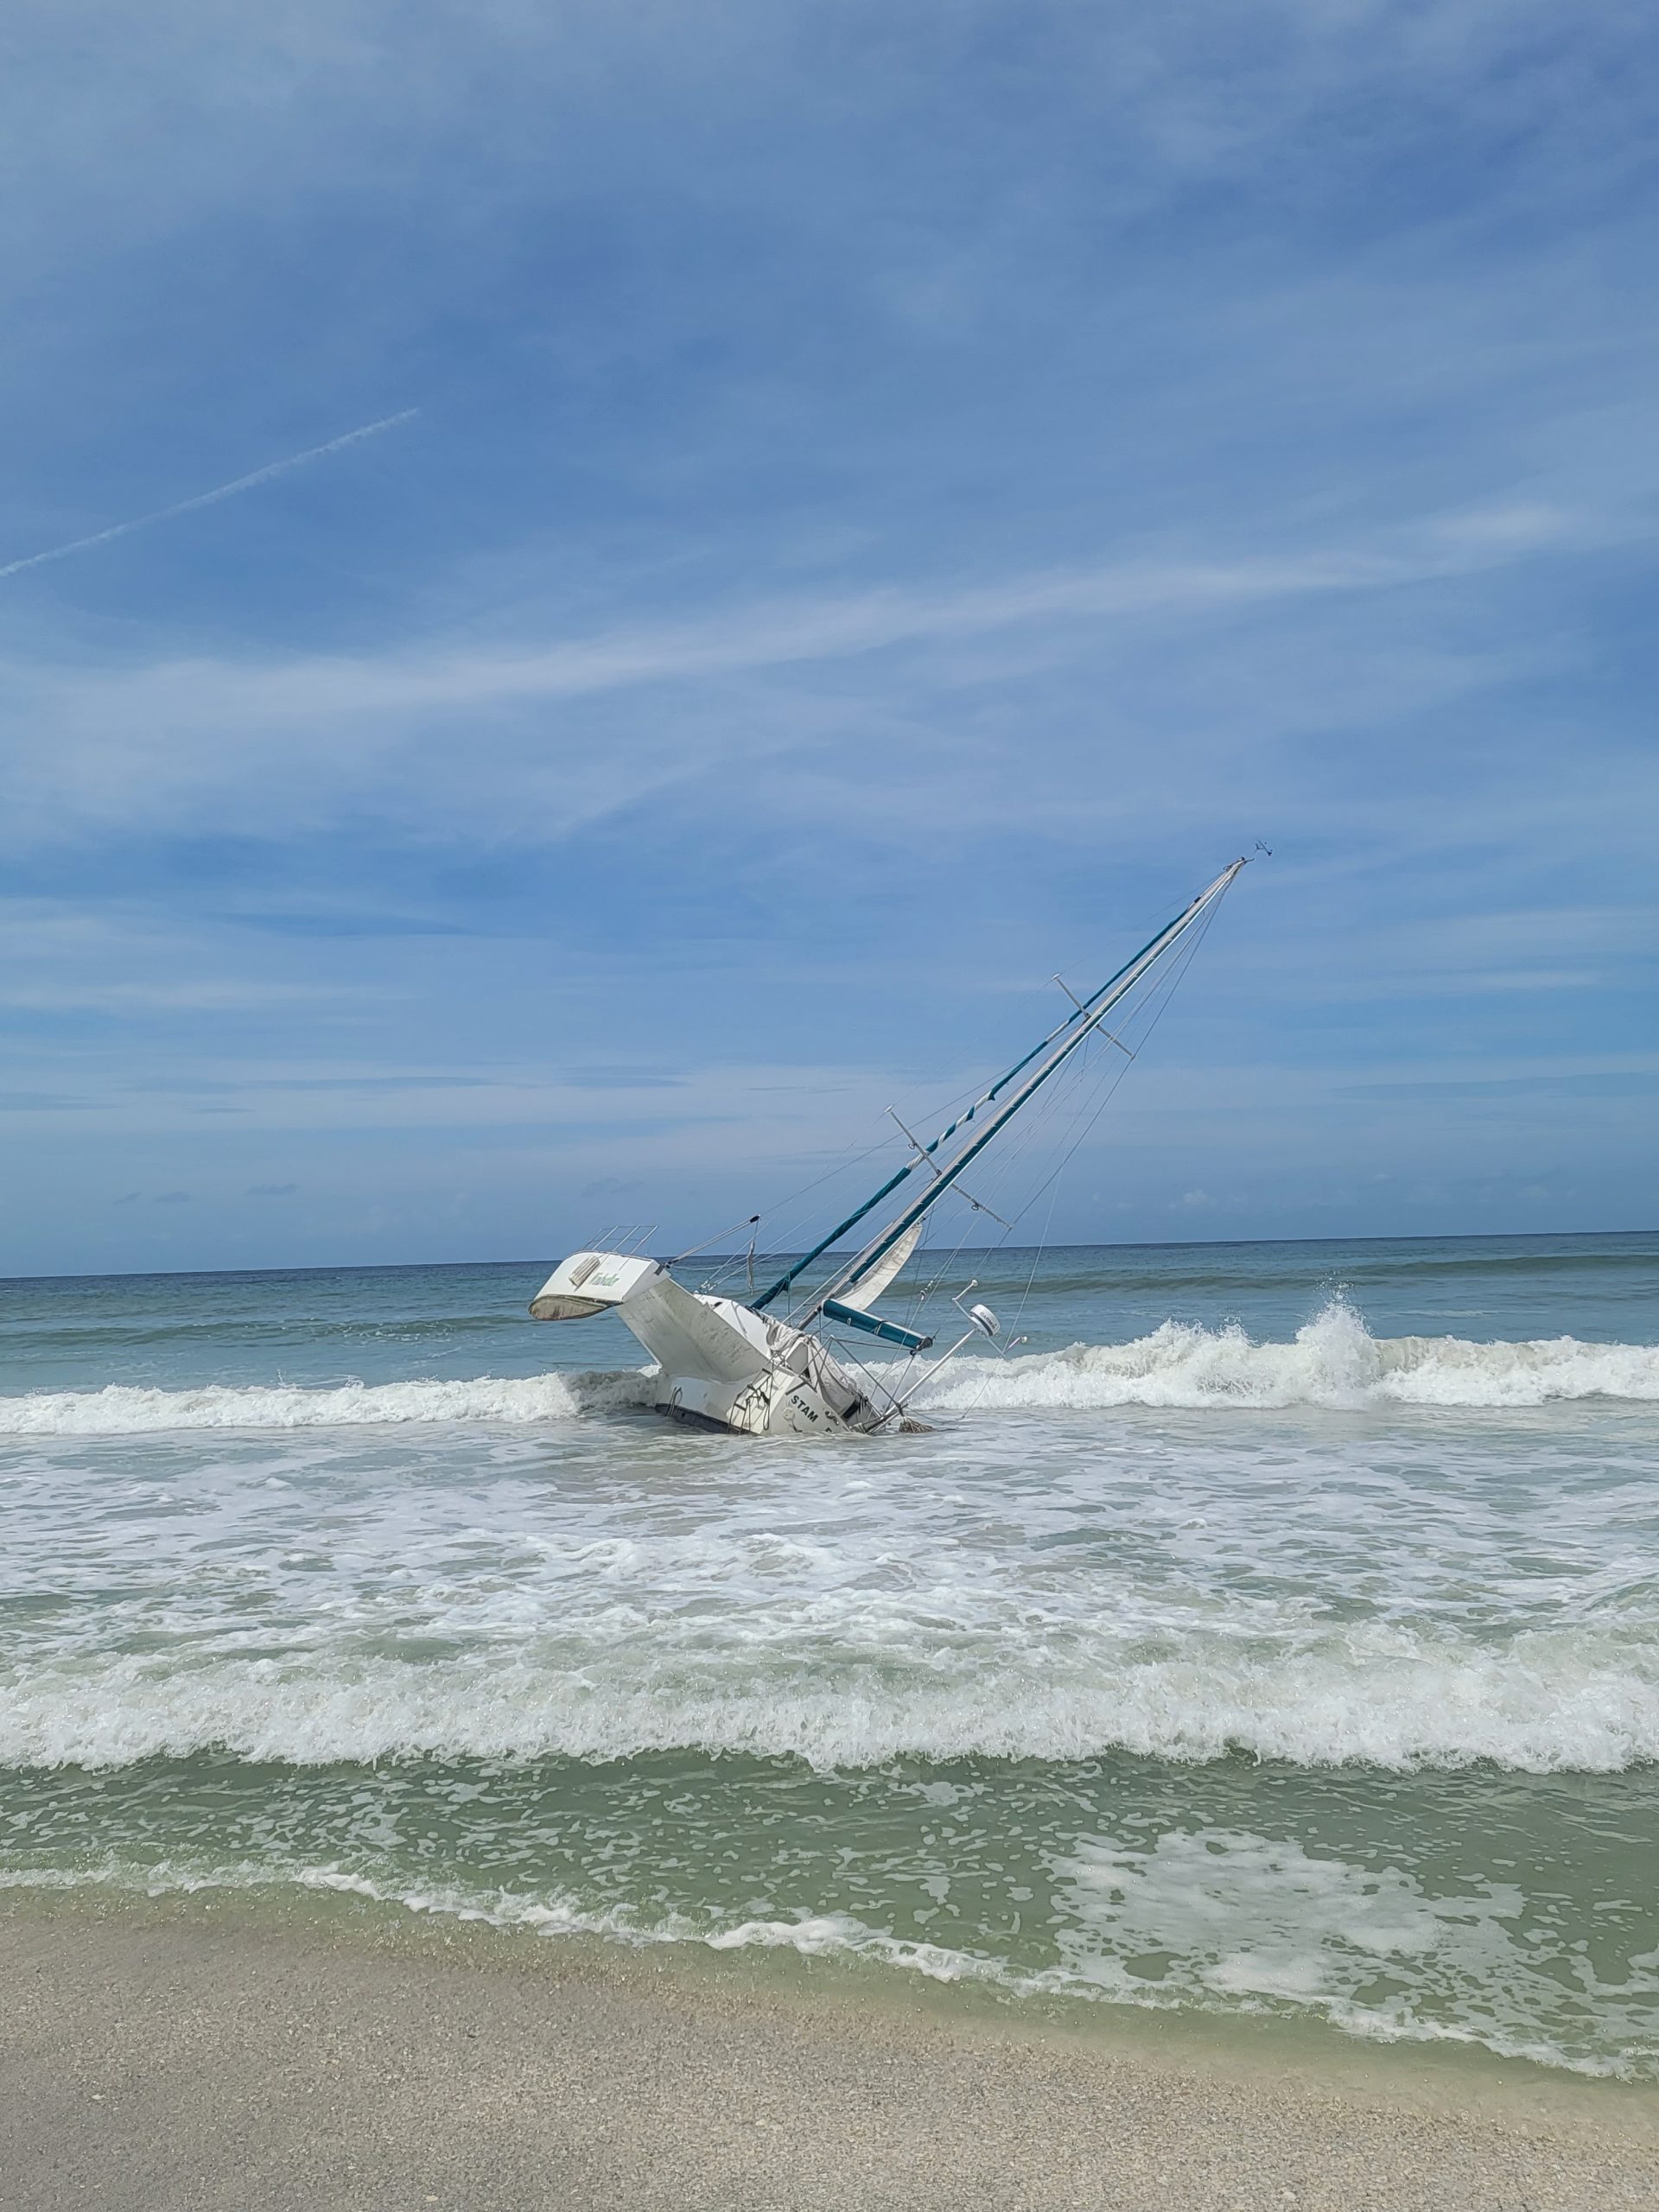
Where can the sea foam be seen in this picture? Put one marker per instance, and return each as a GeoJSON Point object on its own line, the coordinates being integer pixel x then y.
{"type": "Point", "coordinates": [121, 1409]}
{"type": "Point", "coordinates": [1333, 1360]}
{"type": "Point", "coordinates": [1242, 1924]}
{"type": "Point", "coordinates": [1584, 1699]}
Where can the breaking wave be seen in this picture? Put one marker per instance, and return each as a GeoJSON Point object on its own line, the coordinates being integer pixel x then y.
{"type": "Point", "coordinates": [121, 1409]}
{"type": "Point", "coordinates": [1582, 1700]}
{"type": "Point", "coordinates": [1333, 1360]}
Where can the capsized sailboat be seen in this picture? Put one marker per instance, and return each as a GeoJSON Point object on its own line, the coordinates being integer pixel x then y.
{"type": "Point", "coordinates": [733, 1363]}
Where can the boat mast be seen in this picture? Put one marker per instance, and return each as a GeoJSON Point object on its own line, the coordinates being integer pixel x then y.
{"type": "Point", "coordinates": [1082, 1024]}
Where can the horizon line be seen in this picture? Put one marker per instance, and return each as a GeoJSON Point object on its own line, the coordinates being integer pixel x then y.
{"type": "Point", "coordinates": [1167, 1244]}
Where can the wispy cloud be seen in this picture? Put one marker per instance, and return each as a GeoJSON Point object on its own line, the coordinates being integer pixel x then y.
{"type": "Point", "coordinates": [1593, 1083]}
{"type": "Point", "coordinates": [143, 742]}
{"type": "Point", "coordinates": [265, 476]}
{"type": "Point", "coordinates": [849, 625]}
{"type": "Point", "coordinates": [1048, 448]}
{"type": "Point", "coordinates": [140, 1000]}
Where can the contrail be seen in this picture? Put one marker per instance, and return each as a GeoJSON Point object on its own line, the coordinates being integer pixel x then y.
{"type": "Point", "coordinates": [210, 499]}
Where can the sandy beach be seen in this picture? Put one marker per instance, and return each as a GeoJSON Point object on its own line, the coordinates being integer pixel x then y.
{"type": "Point", "coordinates": [184, 2057]}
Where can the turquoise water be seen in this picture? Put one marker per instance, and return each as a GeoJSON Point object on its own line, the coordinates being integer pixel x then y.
{"type": "Point", "coordinates": [1276, 1630]}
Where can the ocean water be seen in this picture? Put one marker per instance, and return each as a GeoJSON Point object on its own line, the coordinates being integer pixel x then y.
{"type": "Point", "coordinates": [1274, 1633]}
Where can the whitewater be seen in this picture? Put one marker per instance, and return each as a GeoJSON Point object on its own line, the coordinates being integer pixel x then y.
{"type": "Point", "coordinates": [1275, 1631]}
{"type": "Point", "coordinates": [1333, 1360]}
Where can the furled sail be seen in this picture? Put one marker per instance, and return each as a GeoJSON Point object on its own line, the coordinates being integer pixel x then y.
{"type": "Point", "coordinates": [863, 1290]}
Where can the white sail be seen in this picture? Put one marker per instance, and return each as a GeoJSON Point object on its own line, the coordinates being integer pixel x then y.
{"type": "Point", "coordinates": [864, 1291]}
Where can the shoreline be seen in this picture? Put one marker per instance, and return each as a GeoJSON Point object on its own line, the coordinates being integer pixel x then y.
{"type": "Point", "coordinates": [198, 2052]}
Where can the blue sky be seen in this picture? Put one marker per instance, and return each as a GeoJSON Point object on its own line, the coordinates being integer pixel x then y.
{"type": "Point", "coordinates": [884, 503]}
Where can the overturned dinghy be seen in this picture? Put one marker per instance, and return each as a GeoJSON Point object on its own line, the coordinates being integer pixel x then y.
{"type": "Point", "coordinates": [732, 1364]}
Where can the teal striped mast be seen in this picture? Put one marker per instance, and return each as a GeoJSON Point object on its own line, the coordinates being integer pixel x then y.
{"type": "Point", "coordinates": [1072, 1031]}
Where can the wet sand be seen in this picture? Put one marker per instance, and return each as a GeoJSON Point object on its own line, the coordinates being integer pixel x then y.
{"type": "Point", "coordinates": [177, 2060]}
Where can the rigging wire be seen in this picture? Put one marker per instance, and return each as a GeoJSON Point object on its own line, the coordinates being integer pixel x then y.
{"type": "Point", "coordinates": [1146, 1007]}
{"type": "Point", "coordinates": [1144, 1015]}
{"type": "Point", "coordinates": [1150, 1011]}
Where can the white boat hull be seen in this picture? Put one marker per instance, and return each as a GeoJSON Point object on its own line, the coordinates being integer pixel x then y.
{"type": "Point", "coordinates": [775, 1404]}
{"type": "Point", "coordinates": [719, 1362]}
